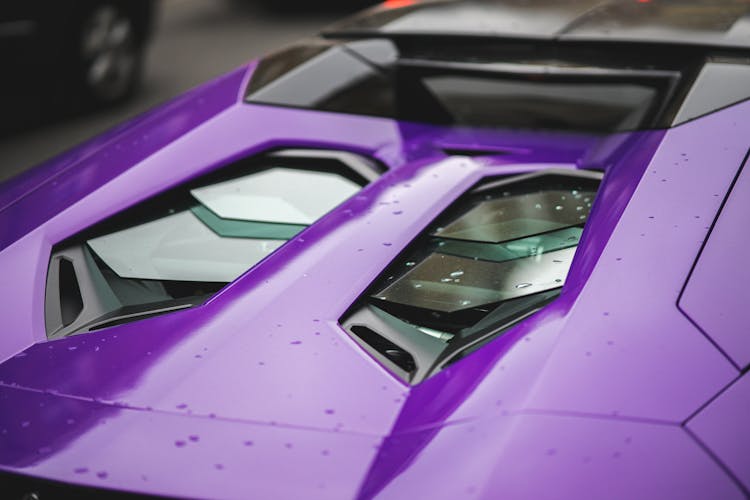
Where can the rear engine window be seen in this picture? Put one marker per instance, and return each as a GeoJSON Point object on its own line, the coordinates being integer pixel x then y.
{"type": "Point", "coordinates": [371, 77]}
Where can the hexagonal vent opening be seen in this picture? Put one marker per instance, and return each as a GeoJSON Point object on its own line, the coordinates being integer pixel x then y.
{"type": "Point", "coordinates": [179, 248]}
{"type": "Point", "coordinates": [497, 255]}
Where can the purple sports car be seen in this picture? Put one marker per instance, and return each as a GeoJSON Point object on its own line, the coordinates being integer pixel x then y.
{"type": "Point", "coordinates": [444, 250]}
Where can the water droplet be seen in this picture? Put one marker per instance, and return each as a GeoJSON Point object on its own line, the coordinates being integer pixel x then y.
{"type": "Point", "coordinates": [465, 302]}
{"type": "Point", "coordinates": [456, 274]}
{"type": "Point", "coordinates": [386, 244]}
{"type": "Point", "coordinates": [194, 438]}
{"type": "Point", "coordinates": [102, 474]}
{"type": "Point", "coordinates": [219, 466]}
{"type": "Point", "coordinates": [410, 263]}
{"type": "Point", "coordinates": [81, 470]}
{"type": "Point", "coordinates": [180, 443]}
{"type": "Point", "coordinates": [559, 207]}
{"type": "Point", "coordinates": [446, 280]}
{"type": "Point", "coordinates": [248, 443]}
{"type": "Point", "coordinates": [579, 208]}
{"type": "Point", "coordinates": [25, 424]}
{"type": "Point", "coordinates": [398, 212]}
{"type": "Point", "coordinates": [329, 411]}
{"type": "Point", "coordinates": [295, 342]}
{"type": "Point", "coordinates": [523, 285]}
{"type": "Point", "coordinates": [538, 206]}
{"type": "Point", "coordinates": [417, 285]}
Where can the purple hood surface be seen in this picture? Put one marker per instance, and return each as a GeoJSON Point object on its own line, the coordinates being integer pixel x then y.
{"type": "Point", "coordinates": [630, 385]}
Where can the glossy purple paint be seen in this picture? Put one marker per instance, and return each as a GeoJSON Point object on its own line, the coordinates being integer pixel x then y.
{"type": "Point", "coordinates": [157, 453]}
{"type": "Point", "coordinates": [722, 427]}
{"type": "Point", "coordinates": [715, 297]}
{"type": "Point", "coordinates": [552, 457]}
{"type": "Point", "coordinates": [266, 362]}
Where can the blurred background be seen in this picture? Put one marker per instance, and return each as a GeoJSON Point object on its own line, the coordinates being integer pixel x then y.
{"type": "Point", "coordinates": [72, 69]}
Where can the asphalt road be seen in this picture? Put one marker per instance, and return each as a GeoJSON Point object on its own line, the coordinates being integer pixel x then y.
{"type": "Point", "coordinates": [195, 40]}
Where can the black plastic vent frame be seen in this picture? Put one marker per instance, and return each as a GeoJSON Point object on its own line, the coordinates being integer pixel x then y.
{"type": "Point", "coordinates": [398, 356]}
{"type": "Point", "coordinates": [71, 302]}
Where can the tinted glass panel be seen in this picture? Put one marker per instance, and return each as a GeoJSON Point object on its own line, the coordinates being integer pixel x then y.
{"type": "Point", "coordinates": [179, 247]}
{"type": "Point", "coordinates": [448, 283]}
{"type": "Point", "coordinates": [487, 102]}
{"type": "Point", "coordinates": [245, 229]}
{"type": "Point", "coordinates": [333, 80]}
{"type": "Point", "coordinates": [719, 84]}
{"type": "Point", "coordinates": [513, 217]}
{"type": "Point", "coordinates": [514, 249]}
{"type": "Point", "coordinates": [277, 195]}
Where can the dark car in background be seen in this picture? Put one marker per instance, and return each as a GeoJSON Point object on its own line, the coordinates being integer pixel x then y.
{"type": "Point", "coordinates": [59, 57]}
